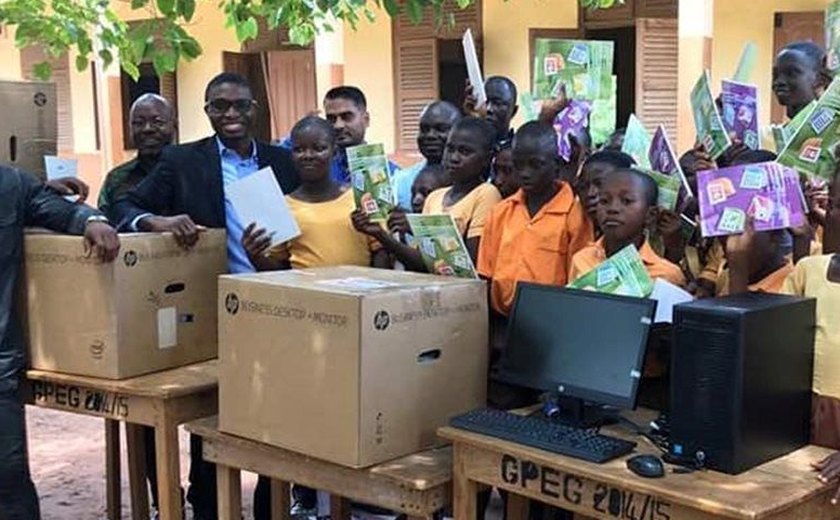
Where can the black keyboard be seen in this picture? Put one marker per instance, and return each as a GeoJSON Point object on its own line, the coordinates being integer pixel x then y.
{"type": "Point", "coordinates": [544, 434]}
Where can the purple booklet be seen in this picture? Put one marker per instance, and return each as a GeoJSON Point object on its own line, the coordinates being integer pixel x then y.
{"type": "Point", "coordinates": [663, 159]}
{"type": "Point", "coordinates": [768, 192]}
{"type": "Point", "coordinates": [740, 112]}
{"type": "Point", "coordinates": [571, 121]}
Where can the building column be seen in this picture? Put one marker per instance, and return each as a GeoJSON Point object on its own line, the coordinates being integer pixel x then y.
{"type": "Point", "coordinates": [696, 24]}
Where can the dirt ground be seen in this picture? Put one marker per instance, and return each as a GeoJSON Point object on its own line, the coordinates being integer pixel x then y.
{"type": "Point", "coordinates": [67, 460]}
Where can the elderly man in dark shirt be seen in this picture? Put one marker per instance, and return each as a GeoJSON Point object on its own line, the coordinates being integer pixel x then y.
{"type": "Point", "coordinates": [28, 202]}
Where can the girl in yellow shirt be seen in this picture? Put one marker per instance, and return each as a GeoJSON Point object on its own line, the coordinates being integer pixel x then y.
{"type": "Point", "coordinates": [321, 206]}
{"type": "Point", "coordinates": [469, 199]}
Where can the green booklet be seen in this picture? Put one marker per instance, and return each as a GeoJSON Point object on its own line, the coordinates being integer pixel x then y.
{"type": "Point", "coordinates": [585, 68]}
{"type": "Point", "coordinates": [441, 246]}
{"type": "Point", "coordinates": [637, 142]}
{"type": "Point", "coordinates": [623, 273]}
{"type": "Point", "coordinates": [811, 149]}
{"type": "Point", "coordinates": [782, 134]}
{"type": "Point", "coordinates": [371, 180]}
{"type": "Point", "coordinates": [832, 35]}
{"type": "Point", "coordinates": [669, 188]}
{"type": "Point", "coordinates": [707, 121]}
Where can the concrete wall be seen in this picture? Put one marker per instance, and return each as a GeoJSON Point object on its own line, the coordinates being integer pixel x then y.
{"type": "Point", "coordinates": [368, 64]}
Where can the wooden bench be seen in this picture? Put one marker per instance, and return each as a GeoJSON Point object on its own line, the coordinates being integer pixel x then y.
{"type": "Point", "coordinates": [417, 485]}
{"type": "Point", "coordinates": [783, 489]}
{"type": "Point", "coordinates": [163, 400]}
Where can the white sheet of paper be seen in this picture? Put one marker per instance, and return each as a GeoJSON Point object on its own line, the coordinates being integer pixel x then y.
{"type": "Point", "coordinates": [667, 295]}
{"type": "Point", "coordinates": [57, 167]}
{"type": "Point", "coordinates": [258, 198]}
{"type": "Point", "coordinates": [473, 68]}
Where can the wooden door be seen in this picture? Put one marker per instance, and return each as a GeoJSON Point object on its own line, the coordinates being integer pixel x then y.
{"type": "Point", "coordinates": [794, 27]}
{"type": "Point", "coordinates": [291, 88]}
{"type": "Point", "coordinates": [656, 74]}
{"type": "Point", "coordinates": [250, 66]}
{"type": "Point", "coordinates": [31, 56]}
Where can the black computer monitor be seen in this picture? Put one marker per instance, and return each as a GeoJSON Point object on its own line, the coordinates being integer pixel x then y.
{"type": "Point", "coordinates": [579, 344]}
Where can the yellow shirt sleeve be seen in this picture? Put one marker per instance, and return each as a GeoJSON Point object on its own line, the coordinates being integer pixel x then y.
{"type": "Point", "coordinates": [794, 284]}
{"type": "Point", "coordinates": [486, 198]}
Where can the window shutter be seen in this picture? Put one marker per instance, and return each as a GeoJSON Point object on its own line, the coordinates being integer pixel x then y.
{"type": "Point", "coordinates": [656, 8]}
{"type": "Point", "coordinates": [416, 84]}
{"type": "Point", "coordinates": [656, 74]}
{"type": "Point", "coordinates": [31, 56]}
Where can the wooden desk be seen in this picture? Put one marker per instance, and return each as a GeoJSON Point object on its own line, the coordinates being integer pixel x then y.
{"type": "Point", "coordinates": [162, 400]}
{"type": "Point", "coordinates": [417, 485]}
{"type": "Point", "coordinates": [784, 489]}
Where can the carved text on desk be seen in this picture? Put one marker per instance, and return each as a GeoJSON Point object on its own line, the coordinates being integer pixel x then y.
{"type": "Point", "coordinates": [579, 493]}
{"type": "Point", "coordinates": [74, 397]}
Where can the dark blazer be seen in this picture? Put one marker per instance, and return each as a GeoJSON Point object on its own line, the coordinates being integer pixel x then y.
{"type": "Point", "coordinates": [188, 180]}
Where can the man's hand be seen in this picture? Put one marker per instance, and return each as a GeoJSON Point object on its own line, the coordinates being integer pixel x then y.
{"type": "Point", "coordinates": [398, 223]}
{"type": "Point", "coordinates": [829, 471]}
{"type": "Point", "coordinates": [257, 244]}
{"type": "Point", "coordinates": [182, 228]}
{"type": "Point", "coordinates": [69, 186]}
{"type": "Point", "coordinates": [363, 224]}
{"type": "Point", "coordinates": [470, 106]}
{"type": "Point", "coordinates": [101, 240]}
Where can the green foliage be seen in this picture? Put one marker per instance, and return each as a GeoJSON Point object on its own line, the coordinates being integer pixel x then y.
{"type": "Point", "coordinates": [91, 27]}
{"type": "Point", "coordinates": [600, 4]}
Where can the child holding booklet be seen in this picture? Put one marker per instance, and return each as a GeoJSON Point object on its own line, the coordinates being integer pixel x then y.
{"type": "Point", "coordinates": [799, 76]}
{"type": "Point", "coordinates": [321, 206]}
{"type": "Point", "coordinates": [532, 235]}
{"type": "Point", "coordinates": [627, 208]}
{"type": "Point", "coordinates": [469, 200]}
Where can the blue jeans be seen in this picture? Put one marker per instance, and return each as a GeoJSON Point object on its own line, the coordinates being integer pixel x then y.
{"type": "Point", "coordinates": [18, 499]}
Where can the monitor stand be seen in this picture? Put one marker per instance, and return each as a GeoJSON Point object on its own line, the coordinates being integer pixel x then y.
{"type": "Point", "coordinates": [575, 412]}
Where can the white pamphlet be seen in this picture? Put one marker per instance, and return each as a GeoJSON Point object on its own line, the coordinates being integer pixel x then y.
{"type": "Point", "coordinates": [667, 295]}
{"type": "Point", "coordinates": [258, 198]}
{"type": "Point", "coordinates": [57, 167]}
{"type": "Point", "coordinates": [474, 69]}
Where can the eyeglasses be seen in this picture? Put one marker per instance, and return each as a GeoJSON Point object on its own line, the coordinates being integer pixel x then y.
{"type": "Point", "coordinates": [221, 106]}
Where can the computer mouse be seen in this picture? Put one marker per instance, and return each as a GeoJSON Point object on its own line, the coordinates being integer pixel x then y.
{"type": "Point", "coordinates": [648, 466]}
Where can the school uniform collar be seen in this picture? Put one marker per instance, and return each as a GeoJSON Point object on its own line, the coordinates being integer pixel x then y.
{"type": "Point", "coordinates": [774, 280]}
{"type": "Point", "coordinates": [646, 253]}
{"type": "Point", "coordinates": [560, 204]}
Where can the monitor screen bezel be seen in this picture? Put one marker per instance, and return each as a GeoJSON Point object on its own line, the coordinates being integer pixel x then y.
{"type": "Point", "coordinates": [619, 401]}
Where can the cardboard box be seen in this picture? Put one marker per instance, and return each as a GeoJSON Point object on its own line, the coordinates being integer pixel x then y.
{"type": "Point", "coordinates": [152, 309]}
{"type": "Point", "coordinates": [30, 124]}
{"type": "Point", "coordinates": [351, 365]}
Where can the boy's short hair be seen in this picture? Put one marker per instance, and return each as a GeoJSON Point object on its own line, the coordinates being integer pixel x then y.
{"type": "Point", "coordinates": [503, 79]}
{"type": "Point", "coordinates": [753, 157]}
{"type": "Point", "coordinates": [226, 77]}
{"type": "Point", "coordinates": [485, 131]}
{"type": "Point", "coordinates": [435, 171]}
{"type": "Point", "coordinates": [314, 121]}
{"type": "Point", "coordinates": [612, 157]}
{"type": "Point", "coordinates": [349, 93]}
{"type": "Point", "coordinates": [649, 186]}
{"type": "Point", "coordinates": [544, 135]}
{"type": "Point", "coordinates": [816, 54]}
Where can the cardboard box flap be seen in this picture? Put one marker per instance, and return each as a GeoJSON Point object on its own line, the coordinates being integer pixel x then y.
{"type": "Point", "coordinates": [357, 281]}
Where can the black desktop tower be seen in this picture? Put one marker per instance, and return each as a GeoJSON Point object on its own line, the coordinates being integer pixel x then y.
{"type": "Point", "coordinates": [741, 370]}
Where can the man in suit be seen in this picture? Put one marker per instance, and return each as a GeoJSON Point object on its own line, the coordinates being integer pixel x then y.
{"type": "Point", "coordinates": [186, 191]}
{"type": "Point", "coordinates": [28, 202]}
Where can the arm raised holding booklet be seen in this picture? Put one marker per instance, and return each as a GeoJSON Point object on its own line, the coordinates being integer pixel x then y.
{"type": "Point", "coordinates": [409, 256]}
